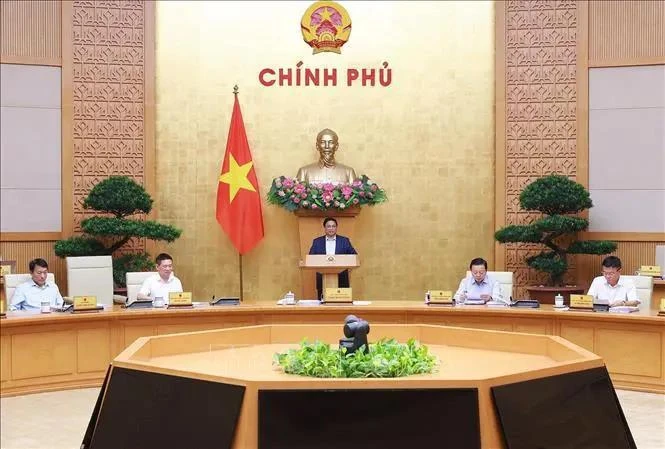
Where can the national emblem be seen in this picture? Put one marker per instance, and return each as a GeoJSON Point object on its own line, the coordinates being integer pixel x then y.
{"type": "Point", "coordinates": [326, 26]}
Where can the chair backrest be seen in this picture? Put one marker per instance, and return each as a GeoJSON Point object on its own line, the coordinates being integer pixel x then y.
{"type": "Point", "coordinates": [91, 276]}
{"type": "Point", "coordinates": [644, 286]}
{"type": "Point", "coordinates": [14, 280]}
{"type": "Point", "coordinates": [660, 257]}
{"type": "Point", "coordinates": [134, 281]}
{"type": "Point", "coordinates": [505, 278]}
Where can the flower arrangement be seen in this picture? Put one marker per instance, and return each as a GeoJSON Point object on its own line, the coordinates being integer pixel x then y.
{"type": "Point", "coordinates": [292, 194]}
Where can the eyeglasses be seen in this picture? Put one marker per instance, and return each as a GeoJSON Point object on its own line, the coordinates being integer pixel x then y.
{"type": "Point", "coordinates": [610, 273]}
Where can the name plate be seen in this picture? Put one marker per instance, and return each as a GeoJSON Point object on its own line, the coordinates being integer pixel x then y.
{"type": "Point", "coordinates": [342, 295]}
{"type": "Point", "coordinates": [85, 302]}
{"type": "Point", "coordinates": [581, 302]}
{"type": "Point", "coordinates": [661, 310]}
{"type": "Point", "coordinates": [440, 297]}
{"type": "Point", "coordinates": [650, 270]}
{"type": "Point", "coordinates": [180, 299]}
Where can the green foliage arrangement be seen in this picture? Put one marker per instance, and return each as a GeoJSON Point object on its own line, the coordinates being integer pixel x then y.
{"type": "Point", "coordinates": [557, 197]}
{"type": "Point", "coordinates": [386, 358]}
{"type": "Point", "coordinates": [292, 194]}
{"type": "Point", "coordinates": [118, 197]}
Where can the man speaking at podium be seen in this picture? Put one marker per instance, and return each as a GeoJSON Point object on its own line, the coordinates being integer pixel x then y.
{"type": "Point", "coordinates": [330, 244]}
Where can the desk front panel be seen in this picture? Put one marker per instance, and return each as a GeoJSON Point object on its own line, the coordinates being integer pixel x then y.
{"type": "Point", "coordinates": [59, 351]}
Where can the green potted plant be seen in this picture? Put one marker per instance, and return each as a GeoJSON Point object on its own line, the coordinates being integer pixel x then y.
{"type": "Point", "coordinates": [118, 198]}
{"type": "Point", "coordinates": [558, 199]}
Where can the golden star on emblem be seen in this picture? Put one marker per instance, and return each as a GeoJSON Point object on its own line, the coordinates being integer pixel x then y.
{"type": "Point", "coordinates": [325, 14]}
{"type": "Point", "coordinates": [236, 177]}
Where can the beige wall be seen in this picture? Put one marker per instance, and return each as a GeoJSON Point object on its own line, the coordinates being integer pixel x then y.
{"type": "Point", "coordinates": [627, 148]}
{"type": "Point", "coordinates": [30, 151]}
{"type": "Point", "coordinates": [428, 138]}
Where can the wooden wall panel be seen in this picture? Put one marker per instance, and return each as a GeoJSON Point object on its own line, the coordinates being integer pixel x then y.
{"type": "Point", "coordinates": [30, 32]}
{"type": "Point", "coordinates": [108, 94]}
{"type": "Point", "coordinates": [24, 252]}
{"type": "Point", "coordinates": [537, 126]}
{"type": "Point", "coordinates": [632, 255]}
{"type": "Point", "coordinates": [626, 33]}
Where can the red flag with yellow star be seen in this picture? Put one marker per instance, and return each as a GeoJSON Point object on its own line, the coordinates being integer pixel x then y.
{"type": "Point", "coordinates": [238, 202]}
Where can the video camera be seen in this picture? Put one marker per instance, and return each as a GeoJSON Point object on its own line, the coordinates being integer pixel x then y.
{"type": "Point", "coordinates": [355, 331]}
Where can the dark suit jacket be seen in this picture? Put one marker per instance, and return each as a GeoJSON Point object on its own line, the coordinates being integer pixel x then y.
{"type": "Point", "coordinates": [342, 246]}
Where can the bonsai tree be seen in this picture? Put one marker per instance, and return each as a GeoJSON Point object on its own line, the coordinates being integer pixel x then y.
{"type": "Point", "coordinates": [557, 197]}
{"type": "Point", "coordinates": [119, 197]}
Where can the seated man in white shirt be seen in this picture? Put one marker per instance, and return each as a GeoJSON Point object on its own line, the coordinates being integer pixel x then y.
{"type": "Point", "coordinates": [29, 295]}
{"type": "Point", "coordinates": [479, 285]}
{"type": "Point", "coordinates": [161, 284]}
{"type": "Point", "coordinates": [611, 288]}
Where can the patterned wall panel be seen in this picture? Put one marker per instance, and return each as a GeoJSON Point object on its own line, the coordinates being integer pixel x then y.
{"type": "Point", "coordinates": [540, 109]}
{"type": "Point", "coordinates": [108, 96]}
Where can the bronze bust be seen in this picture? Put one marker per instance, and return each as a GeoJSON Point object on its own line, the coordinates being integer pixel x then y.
{"type": "Point", "coordinates": [326, 170]}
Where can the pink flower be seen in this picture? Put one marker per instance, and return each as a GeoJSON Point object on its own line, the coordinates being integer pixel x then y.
{"type": "Point", "coordinates": [299, 188]}
{"type": "Point", "coordinates": [281, 193]}
{"type": "Point", "coordinates": [370, 195]}
{"type": "Point", "coordinates": [296, 200]}
{"type": "Point", "coordinates": [357, 183]}
{"type": "Point", "coordinates": [303, 195]}
{"type": "Point", "coordinates": [327, 197]}
{"type": "Point", "coordinates": [374, 187]}
{"type": "Point", "coordinates": [288, 183]}
{"type": "Point", "coordinates": [314, 206]}
{"type": "Point", "coordinates": [356, 201]}
{"type": "Point", "coordinates": [347, 191]}
{"type": "Point", "coordinates": [361, 193]}
{"type": "Point", "coordinates": [328, 187]}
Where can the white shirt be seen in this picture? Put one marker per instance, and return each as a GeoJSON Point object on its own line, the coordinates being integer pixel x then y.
{"type": "Point", "coordinates": [331, 245]}
{"type": "Point", "coordinates": [604, 293]}
{"type": "Point", "coordinates": [473, 289]}
{"type": "Point", "coordinates": [29, 296]}
{"type": "Point", "coordinates": [156, 287]}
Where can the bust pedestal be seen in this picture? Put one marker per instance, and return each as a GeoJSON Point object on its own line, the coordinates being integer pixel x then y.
{"type": "Point", "coordinates": [310, 226]}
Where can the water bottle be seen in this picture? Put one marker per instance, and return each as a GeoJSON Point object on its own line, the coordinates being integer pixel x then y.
{"type": "Point", "coordinates": [290, 298]}
{"type": "Point", "coordinates": [462, 298]}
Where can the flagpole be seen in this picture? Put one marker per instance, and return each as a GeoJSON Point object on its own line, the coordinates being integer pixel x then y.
{"type": "Point", "coordinates": [240, 265]}
{"type": "Point", "coordinates": [235, 93]}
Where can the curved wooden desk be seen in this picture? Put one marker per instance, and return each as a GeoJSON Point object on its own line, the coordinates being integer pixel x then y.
{"type": "Point", "coordinates": [57, 351]}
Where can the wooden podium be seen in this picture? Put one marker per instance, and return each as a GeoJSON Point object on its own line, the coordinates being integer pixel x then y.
{"type": "Point", "coordinates": [310, 226]}
{"type": "Point", "coordinates": [330, 266]}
